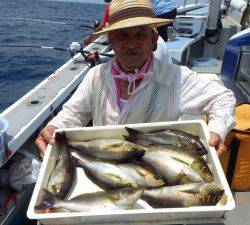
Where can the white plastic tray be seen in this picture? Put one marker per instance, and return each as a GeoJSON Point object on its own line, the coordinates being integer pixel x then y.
{"type": "Point", "coordinates": [142, 212]}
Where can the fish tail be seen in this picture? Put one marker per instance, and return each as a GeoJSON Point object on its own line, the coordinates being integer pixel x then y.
{"type": "Point", "coordinates": [48, 202]}
{"type": "Point", "coordinates": [78, 162]}
{"type": "Point", "coordinates": [217, 195]}
{"type": "Point", "coordinates": [132, 134]}
{"type": "Point", "coordinates": [130, 139]}
{"type": "Point", "coordinates": [61, 138]}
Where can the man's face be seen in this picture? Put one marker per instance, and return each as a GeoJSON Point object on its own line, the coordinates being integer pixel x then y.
{"type": "Point", "coordinates": [133, 45]}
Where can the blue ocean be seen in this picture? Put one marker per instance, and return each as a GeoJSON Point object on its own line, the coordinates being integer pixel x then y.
{"type": "Point", "coordinates": [21, 69]}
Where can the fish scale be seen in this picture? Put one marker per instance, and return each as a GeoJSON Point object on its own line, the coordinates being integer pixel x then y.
{"type": "Point", "coordinates": [112, 176]}
{"type": "Point", "coordinates": [96, 201]}
{"type": "Point", "coordinates": [62, 176]}
{"type": "Point", "coordinates": [167, 137]}
{"type": "Point", "coordinates": [109, 149]}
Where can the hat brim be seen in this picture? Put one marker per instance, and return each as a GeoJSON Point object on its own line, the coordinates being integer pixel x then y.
{"type": "Point", "coordinates": [133, 22]}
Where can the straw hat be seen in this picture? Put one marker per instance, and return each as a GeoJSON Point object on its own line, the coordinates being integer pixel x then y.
{"type": "Point", "coordinates": [131, 13]}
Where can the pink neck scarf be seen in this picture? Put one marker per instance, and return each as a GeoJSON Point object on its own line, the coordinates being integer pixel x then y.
{"type": "Point", "coordinates": [118, 75]}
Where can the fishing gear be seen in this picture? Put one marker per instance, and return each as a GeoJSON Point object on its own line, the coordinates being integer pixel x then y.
{"type": "Point", "coordinates": [96, 24]}
{"type": "Point", "coordinates": [92, 57]}
{"type": "Point", "coordinates": [49, 21]}
{"type": "Point", "coordinates": [74, 48]}
{"type": "Point", "coordinates": [34, 46]}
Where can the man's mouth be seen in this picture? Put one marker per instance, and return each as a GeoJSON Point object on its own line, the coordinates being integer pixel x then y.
{"type": "Point", "coordinates": [132, 53]}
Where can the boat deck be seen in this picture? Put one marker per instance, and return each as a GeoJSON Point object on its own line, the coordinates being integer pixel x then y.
{"type": "Point", "coordinates": [37, 105]}
{"type": "Point", "coordinates": [35, 101]}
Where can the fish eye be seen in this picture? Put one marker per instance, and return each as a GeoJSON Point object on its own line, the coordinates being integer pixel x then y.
{"type": "Point", "coordinates": [204, 169]}
{"type": "Point", "coordinates": [53, 188]}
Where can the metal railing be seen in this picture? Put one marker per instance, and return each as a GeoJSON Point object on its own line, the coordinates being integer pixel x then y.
{"type": "Point", "coordinates": [196, 2]}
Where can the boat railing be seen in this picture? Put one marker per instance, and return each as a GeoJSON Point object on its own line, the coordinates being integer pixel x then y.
{"type": "Point", "coordinates": [187, 5]}
{"type": "Point", "coordinates": [196, 2]}
{"type": "Point", "coordinates": [184, 4]}
{"type": "Point", "coordinates": [34, 108]}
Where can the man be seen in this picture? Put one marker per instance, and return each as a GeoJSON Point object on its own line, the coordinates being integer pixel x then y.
{"type": "Point", "coordinates": [135, 87]}
{"type": "Point", "coordinates": [160, 51]}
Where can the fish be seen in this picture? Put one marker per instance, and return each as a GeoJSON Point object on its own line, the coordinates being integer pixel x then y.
{"type": "Point", "coordinates": [109, 149]}
{"type": "Point", "coordinates": [97, 201]}
{"type": "Point", "coordinates": [193, 160]}
{"type": "Point", "coordinates": [63, 174]}
{"type": "Point", "coordinates": [167, 137]}
{"type": "Point", "coordinates": [173, 170]}
{"type": "Point", "coordinates": [110, 176]}
{"type": "Point", "coordinates": [195, 194]}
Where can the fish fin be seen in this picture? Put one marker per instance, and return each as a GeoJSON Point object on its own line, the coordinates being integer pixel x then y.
{"type": "Point", "coordinates": [126, 183]}
{"type": "Point", "coordinates": [139, 141]}
{"type": "Point", "coordinates": [77, 162]}
{"type": "Point", "coordinates": [182, 143]}
{"type": "Point", "coordinates": [179, 160]}
{"type": "Point", "coordinates": [130, 139]}
{"type": "Point", "coordinates": [48, 202]}
{"type": "Point", "coordinates": [177, 180]}
{"type": "Point", "coordinates": [182, 178]}
{"type": "Point", "coordinates": [190, 191]}
{"type": "Point", "coordinates": [61, 138]}
{"type": "Point", "coordinates": [133, 133]}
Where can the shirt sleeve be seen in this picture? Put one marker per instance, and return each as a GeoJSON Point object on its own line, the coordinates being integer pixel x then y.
{"type": "Point", "coordinates": [77, 111]}
{"type": "Point", "coordinates": [162, 52]}
{"type": "Point", "coordinates": [203, 93]}
{"type": "Point", "coordinates": [105, 18]}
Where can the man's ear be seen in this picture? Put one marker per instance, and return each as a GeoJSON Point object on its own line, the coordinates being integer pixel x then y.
{"type": "Point", "coordinates": [155, 37]}
{"type": "Point", "coordinates": [110, 38]}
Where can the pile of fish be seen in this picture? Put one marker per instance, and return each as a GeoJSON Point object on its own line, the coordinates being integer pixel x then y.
{"type": "Point", "coordinates": [165, 168]}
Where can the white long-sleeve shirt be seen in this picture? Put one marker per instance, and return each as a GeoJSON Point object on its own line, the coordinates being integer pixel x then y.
{"type": "Point", "coordinates": [162, 52]}
{"type": "Point", "coordinates": [191, 93]}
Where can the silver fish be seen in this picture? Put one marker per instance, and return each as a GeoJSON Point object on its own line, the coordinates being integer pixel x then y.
{"type": "Point", "coordinates": [196, 162]}
{"type": "Point", "coordinates": [172, 170]}
{"type": "Point", "coordinates": [114, 176]}
{"type": "Point", "coordinates": [167, 137]}
{"type": "Point", "coordinates": [97, 201]}
{"type": "Point", "coordinates": [63, 174]}
{"type": "Point", "coordinates": [195, 194]}
{"type": "Point", "coordinates": [109, 149]}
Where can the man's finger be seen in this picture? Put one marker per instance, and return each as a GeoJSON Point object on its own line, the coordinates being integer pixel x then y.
{"type": "Point", "coordinates": [214, 139]}
{"type": "Point", "coordinates": [42, 145]}
{"type": "Point", "coordinates": [221, 150]}
{"type": "Point", "coordinates": [48, 137]}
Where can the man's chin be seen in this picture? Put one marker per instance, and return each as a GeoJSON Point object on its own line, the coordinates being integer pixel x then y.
{"type": "Point", "coordinates": [132, 65]}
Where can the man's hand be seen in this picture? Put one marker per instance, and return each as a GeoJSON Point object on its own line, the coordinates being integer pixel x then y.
{"type": "Point", "coordinates": [215, 141]}
{"type": "Point", "coordinates": [44, 138]}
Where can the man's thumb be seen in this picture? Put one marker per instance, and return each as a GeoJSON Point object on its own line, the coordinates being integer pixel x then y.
{"type": "Point", "coordinates": [214, 139]}
{"type": "Point", "coordinates": [52, 141]}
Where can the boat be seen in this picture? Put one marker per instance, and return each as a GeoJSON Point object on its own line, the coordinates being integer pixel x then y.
{"type": "Point", "coordinates": [197, 40]}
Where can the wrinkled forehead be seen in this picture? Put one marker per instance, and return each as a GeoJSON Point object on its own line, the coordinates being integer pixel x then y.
{"type": "Point", "coordinates": [142, 29]}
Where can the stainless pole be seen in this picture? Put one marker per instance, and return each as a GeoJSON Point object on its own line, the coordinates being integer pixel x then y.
{"type": "Point", "coordinates": [213, 17]}
{"type": "Point", "coordinates": [214, 13]}
{"type": "Point", "coordinates": [184, 4]}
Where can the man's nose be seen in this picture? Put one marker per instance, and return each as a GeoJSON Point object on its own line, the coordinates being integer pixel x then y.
{"type": "Point", "coordinates": [132, 43]}
{"type": "Point", "coordinates": [132, 39]}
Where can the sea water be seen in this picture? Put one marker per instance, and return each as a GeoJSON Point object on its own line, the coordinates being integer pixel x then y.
{"type": "Point", "coordinates": [21, 69]}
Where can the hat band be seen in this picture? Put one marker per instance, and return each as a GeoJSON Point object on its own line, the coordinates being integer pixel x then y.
{"type": "Point", "coordinates": [131, 13]}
